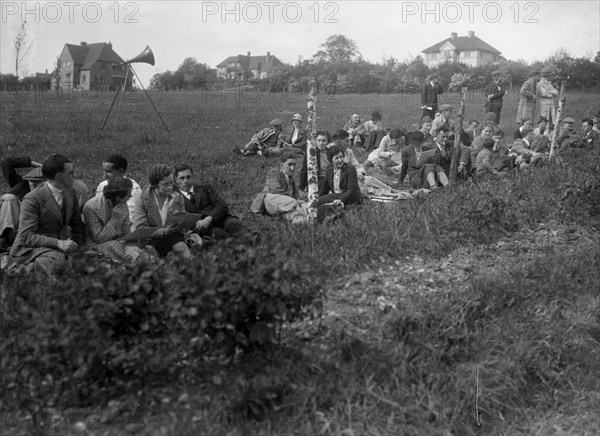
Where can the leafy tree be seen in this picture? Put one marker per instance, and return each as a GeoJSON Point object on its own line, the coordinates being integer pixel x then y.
{"type": "Point", "coordinates": [338, 50]}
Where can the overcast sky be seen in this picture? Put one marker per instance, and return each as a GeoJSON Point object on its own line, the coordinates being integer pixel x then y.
{"type": "Point", "coordinates": [210, 31]}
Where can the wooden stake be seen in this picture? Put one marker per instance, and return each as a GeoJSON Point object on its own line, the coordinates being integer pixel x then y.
{"type": "Point", "coordinates": [561, 102]}
{"type": "Point", "coordinates": [311, 144]}
{"type": "Point", "coordinates": [458, 128]}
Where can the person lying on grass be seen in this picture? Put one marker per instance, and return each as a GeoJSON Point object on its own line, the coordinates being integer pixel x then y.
{"type": "Point", "coordinates": [267, 138]}
{"type": "Point", "coordinates": [420, 165]}
{"type": "Point", "coordinates": [107, 222]}
{"type": "Point", "coordinates": [280, 194]}
{"type": "Point", "coordinates": [152, 208]}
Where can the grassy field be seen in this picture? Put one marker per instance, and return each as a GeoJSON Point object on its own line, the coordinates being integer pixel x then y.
{"type": "Point", "coordinates": [474, 311]}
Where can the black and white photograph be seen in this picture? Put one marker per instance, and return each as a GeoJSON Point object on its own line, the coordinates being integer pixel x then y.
{"type": "Point", "coordinates": [299, 218]}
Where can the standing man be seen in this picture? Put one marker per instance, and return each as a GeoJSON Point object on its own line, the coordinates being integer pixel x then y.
{"type": "Point", "coordinates": [494, 93]}
{"type": "Point", "coordinates": [204, 200]}
{"type": "Point", "coordinates": [527, 98]}
{"type": "Point", "coordinates": [50, 225]}
{"type": "Point", "coordinates": [429, 96]}
{"type": "Point", "coordinates": [114, 168]}
{"type": "Point", "coordinates": [546, 93]}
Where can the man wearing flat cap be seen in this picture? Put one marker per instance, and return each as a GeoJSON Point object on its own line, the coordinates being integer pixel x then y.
{"type": "Point", "coordinates": [294, 141]}
{"type": "Point", "coordinates": [10, 203]}
{"type": "Point", "coordinates": [494, 93]}
{"type": "Point", "coordinates": [527, 98]}
{"type": "Point", "coordinates": [444, 120]}
{"type": "Point", "coordinates": [269, 137]}
{"type": "Point", "coordinates": [546, 93]}
{"type": "Point", "coordinates": [567, 136]}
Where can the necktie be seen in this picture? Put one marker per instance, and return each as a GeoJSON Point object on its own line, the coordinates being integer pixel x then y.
{"type": "Point", "coordinates": [192, 198]}
{"type": "Point", "coordinates": [293, 185]}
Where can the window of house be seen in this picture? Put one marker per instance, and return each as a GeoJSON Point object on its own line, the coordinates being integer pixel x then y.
{"type": "Point", "coordinates": [99, 80]}
{"type": "Point", "coordinates": [466, 54]}
{"type": "Point", "coordinates": [84, 78]}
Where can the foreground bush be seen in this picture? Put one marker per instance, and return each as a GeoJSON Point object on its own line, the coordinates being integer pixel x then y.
{"type": "Point", "coordinates": [98, 331]}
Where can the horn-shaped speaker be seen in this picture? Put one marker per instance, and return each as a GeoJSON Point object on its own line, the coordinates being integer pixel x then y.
{"type": "Point", "coordinates": [146, 57]}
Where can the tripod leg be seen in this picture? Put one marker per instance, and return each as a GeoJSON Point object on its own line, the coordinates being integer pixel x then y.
{"type": "Point", "coordinates": [110, 109]}
{"type": "Point", "coordinates": [151, 102]}
{"type": "Point", "coordinates": [122, 89]}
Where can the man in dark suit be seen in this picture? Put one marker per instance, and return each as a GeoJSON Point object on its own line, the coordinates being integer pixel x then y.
{"type": "Point", "coordinates": [444, 149]}
{"type": "Point", "coordinates": [50, 225]}
{"type": "Point", "coordinates": [204, 200]}
{"type": "Point", "coordinates": [494, 93]}
{"type": "Point", "coordinates": [429, 96]}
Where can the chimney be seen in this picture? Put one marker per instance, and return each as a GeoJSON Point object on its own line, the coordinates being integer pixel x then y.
{"type": "Point", "coordinates": [248, 54]}
{"type": "Point", "coordinates": [453, 35]}
{"type": "Point", "coordinates": [268, 56]}
{"type": "Point", "coordinates": [471, 34]}
{"type": "Point", "coordinates": [83, 43]}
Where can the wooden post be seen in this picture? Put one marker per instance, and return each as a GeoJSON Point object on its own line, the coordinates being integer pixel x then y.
{"type": "Point", "coordinates": [561, 103]}
{"type": "Point", "coordinates": [311, 144]}
{"type": "Point", "coordinates": [458, 128]}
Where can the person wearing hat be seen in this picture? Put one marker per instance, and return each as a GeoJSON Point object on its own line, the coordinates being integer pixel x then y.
{"type": "Point", "coordinates": [443, 120]}
{"type": "Point", "coordinates": [495, 91]}
{"type": "Point", "coordinates": [546, 93]}
{"type": "Point", "coordinates": [388, 155]}
{"type": "Point", "coordinates": [527, 98]}
{"type": "Point", "coordinates": [10, 203]}
{"type": "Point", "coordinates": [268, 138]}
{"type": "Point", "coordinates": [429, 96]}
{"type": "Point", "coordinates": [50, 224]}
{"type": "Point", "coordinates": [567, 136]}
{"type": "Point", "coordinates": [297, 138]}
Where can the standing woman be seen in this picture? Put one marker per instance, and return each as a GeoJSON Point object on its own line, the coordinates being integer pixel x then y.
{"type": "Point", "coordinates": [152, 207]}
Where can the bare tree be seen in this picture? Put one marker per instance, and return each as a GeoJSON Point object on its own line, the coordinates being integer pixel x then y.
{"type": "Point", "coordinates": [22, 46]}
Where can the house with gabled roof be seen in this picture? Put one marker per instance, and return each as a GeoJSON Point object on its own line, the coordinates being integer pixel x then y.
{"type": "Point", "coordinates": [242, 67]}
{"type": "Point", "coordinates": [469, 50]}
{"type": "Point", "coordinates": [91, 66]}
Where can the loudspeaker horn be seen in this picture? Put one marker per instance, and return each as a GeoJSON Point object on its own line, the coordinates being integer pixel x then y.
{"type": "Point", "coordinates": [146, 57]}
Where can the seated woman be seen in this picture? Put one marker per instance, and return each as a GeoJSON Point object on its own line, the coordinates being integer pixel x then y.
{"type": "Point", "coordinates": [153, 206]}
{"type": "Point", "coordinates": [340, 187]}
{"type": "Point", "coordinates": [387, 156]}
{"type": "Point", "coordinates": [107, 222]}
{"type": "Point", "coordinates": [527, 124]}
{"type": "Point", "coordinates": [356, 130]}
{"type": "Point", "coordinates": [420, 165]}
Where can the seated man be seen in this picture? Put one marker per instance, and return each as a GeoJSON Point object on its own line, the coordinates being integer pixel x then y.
{"type": "Point", "coordinates": [50, 225]}
{"type": "Point", "coordinates": [485, 163]}
{"type": "Point", "coordinates": [567, 136]}
{"type": "Point", "coordinates": [444, 149]}
{"type": "Point", "coordinates": [323, 138]}
{"type": "Point", "coordinates": [355, 130]}
{"type": "Point", "coordinates": [280, 195]}
{"type": "Point", "coordinates": [374, 132]}
{"type": "Point", "coordinates": [205, 201]}
{"type": "Point", "coordinates": [420, 165]}
{"type": "Point", "coordinates": [526, 124]}
{"type": "Point", "coordinates": [107, 222]}
{"type": "Point", "coordinates": [11, 201]}
{"type": "Point", "coordinates": [268, 138]}
{"type": "Point", "coordinates": [542, 128]}
{"type": "Point", "coordinates": [589, 136]}
{"type": "Point", "coordinates": [526, 156]}
{"type": "Point", "coordinates": [114, 168]}
{"type": "Point", "coordinates": [387, 156]}
{"type": "Point", "coordinates": [445, 119]}
{"type": "Point", "coordinates": [501, 157]}
{"type": "Point", "coordinates": [472, 131]}
{"type": "Point", "coordinates": [426, 128]}
{"type": "Point", "coordinates": [341, 139]}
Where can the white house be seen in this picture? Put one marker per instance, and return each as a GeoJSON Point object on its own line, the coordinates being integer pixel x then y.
{"type": "Point", "coordinates": [469, 50]}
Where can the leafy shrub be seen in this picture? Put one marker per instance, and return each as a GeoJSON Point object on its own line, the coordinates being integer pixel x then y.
{"type": "Point", "coordinates": [100, 330]}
